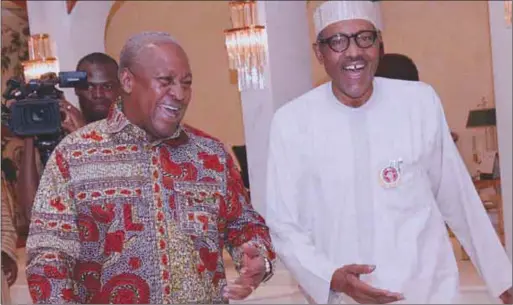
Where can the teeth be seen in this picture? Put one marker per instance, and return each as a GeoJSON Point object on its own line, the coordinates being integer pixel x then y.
{"type": "Point", "coordinates": [170, 107]}
{"type": "Point", "coordinates": [354, 67]}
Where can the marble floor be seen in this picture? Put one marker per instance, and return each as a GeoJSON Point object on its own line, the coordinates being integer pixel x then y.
{"type": "Point", "coordinates": [282, 289]}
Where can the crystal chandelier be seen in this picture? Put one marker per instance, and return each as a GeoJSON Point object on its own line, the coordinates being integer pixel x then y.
{"type": "Point", "coordinates": [246, 44]}
{"type": "Point", "coordinates": [41, 60]}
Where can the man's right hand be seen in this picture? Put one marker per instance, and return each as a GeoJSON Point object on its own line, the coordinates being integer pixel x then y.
{"type": "Point", "coordinates": [347, 280]}
{"type": "Point", "coordinates": [73, 118]}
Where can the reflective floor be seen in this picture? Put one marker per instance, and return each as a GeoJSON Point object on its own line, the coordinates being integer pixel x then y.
{"type": "Point", "coordinates": [282, 289]}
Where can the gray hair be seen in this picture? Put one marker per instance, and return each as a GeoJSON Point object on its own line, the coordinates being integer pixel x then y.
{"type": "Point", "coordinates": [138, 42]}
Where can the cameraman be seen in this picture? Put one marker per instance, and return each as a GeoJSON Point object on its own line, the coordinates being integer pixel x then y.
{"type": "Point", "coordinates": [95, 100]}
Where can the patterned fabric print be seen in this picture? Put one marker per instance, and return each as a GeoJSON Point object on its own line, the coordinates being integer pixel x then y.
{"type": "Point", "coordinates": [119, 219]}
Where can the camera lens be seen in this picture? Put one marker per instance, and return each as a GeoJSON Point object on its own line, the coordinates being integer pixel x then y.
{"type": "Point", "coordinates": [38, 115]}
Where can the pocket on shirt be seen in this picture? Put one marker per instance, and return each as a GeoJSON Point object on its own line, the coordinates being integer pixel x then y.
{"type": "Point", "coordinates": [197, 207]}
{"type": "Point", "coordinates": [410, 193]}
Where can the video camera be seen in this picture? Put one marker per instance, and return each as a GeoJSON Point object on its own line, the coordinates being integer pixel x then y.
{"type": "Point", "coordinates": [35, 111]}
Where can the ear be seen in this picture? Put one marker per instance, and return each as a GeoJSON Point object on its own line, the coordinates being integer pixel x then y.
{"type": "Point", "coordinates": [381, 46]}
{"type": "Point", "coordinates": [126, 79]}
{"type": "Point", "coordinates": [317, 50]}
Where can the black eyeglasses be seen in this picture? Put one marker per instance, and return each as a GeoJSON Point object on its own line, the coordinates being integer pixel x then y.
{"type": "Point", "coordinates": [340, 42]}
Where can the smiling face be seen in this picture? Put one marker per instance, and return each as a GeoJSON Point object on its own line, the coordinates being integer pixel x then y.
{"type": "Point", "coordinates": [350, 51]}
{"type": "Point", "coordinates": [159, 90]}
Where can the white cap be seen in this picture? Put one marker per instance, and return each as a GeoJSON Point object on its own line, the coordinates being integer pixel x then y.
{"type": "Point", "coordinates": [334, 11]}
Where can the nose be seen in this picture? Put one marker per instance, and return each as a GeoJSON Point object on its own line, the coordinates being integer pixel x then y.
{"type": "Point", "coordinates": [97, 92]}
{"type": "Point", "coordinates": [353, 50]}
{"type": "Point", "coordinates": [177, 92]}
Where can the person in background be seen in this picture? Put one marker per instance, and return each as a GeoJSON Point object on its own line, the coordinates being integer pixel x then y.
{"type": "Point", "coordinates": [397, 66]}
{"type": "Point", "coordinates": [94, 100]}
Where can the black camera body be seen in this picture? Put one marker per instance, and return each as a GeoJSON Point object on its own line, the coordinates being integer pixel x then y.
{"type": "Point", "coordinates": [36, 112]}
{"type": "Point", "coordinates": [33, 117]}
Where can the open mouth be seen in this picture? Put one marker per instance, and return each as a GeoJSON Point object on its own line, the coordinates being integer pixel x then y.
{"type": "Point", "coordinates": [354, 70]}
{"type": "Point", "coordinates": [354, 67]}
{"type": "Point", "coordinates": [170, 111]}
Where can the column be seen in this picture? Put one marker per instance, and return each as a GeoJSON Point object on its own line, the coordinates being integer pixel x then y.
{"type": "Point", "coordinates": [288, 75]}
{"type": "Point", "coordinates": [73, 35]}
{"type": "Point", "coordinates": [500, 35]}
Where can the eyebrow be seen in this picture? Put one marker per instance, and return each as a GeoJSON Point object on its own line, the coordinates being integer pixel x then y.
{"type": "Point", "coordinates": [188, 75]}
{"type": "Point", "coordinates": [101, 82]}
{"type": "Point", "coordinates": [109, 82]}
{"type": "Point", "coordinates": [168, 77]}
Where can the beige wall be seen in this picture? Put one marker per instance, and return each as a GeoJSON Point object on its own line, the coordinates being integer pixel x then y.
{"type": "Point", "coordinates": [450, 43]}
{"type": "Point", "coordinates": [199, 27]}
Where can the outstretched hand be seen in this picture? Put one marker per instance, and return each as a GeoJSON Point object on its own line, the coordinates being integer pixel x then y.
{"type": "Point", "coordinates": [347, 280]}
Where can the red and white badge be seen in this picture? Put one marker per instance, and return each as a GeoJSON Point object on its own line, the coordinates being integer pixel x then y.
{"type": "Point", "coordinates": [391, 174]}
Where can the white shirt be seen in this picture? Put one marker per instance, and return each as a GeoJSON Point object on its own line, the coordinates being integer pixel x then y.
{"type": "Point", "coordinates": [327, 205]}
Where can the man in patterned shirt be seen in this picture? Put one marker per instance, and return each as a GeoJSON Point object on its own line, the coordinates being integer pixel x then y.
{"type": "Point", "coordinates": [138, 208]}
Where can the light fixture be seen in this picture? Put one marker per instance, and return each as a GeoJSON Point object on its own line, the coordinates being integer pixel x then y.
{"type": "Point", "coordinates": [507, 12]}
{"type": "Point", "coordinates": [484, 117]}
{"type": "Point", "coordinates": [246, 44]}
{"type": "Point", "coordinates": [41, 59]}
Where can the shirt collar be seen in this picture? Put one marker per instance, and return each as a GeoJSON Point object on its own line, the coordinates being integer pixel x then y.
{"type": "Point", "coordinates": [117, 123]}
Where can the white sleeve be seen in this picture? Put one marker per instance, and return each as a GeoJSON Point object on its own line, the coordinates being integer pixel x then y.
{"type": "Point", "coordinates": [462, 209]}
{"type": "Point", "coordinates": [310, 268]}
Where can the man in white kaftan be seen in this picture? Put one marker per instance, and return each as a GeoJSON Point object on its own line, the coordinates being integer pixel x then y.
{"type": "Point", "coordinates": [370, 178]}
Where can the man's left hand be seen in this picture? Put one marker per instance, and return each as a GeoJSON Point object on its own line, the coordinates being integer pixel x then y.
{"type": "Point", "coordinates": [507, 296]}
{"type": "Point", "coordinates": [251, 275]}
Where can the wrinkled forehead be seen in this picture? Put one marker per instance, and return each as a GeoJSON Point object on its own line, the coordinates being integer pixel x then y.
{"type": "Point", "coordinates": [100, 73]}
{"type": "Point", "coordinates": [163, 57]}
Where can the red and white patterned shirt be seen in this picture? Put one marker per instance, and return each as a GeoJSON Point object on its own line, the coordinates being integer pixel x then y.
{"type": "Point", "coordinates": [120, 219]}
